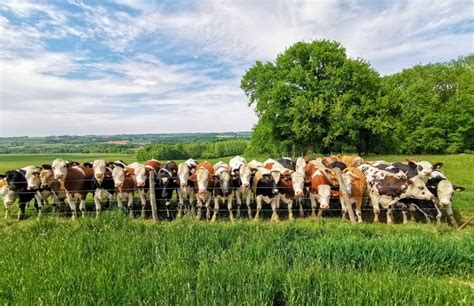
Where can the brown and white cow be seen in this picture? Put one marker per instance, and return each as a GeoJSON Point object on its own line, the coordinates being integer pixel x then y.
{"type": "Point", "coordinates": [241, 181]}
{"type": "Point", "coordinates": [140, 172]}
{"type": "Point", "coordinates": [50, 187]}
{"type": "Point", "coordinates": [203, 185]}
{"type": "Point", "coordinates": [356, 185]}
{"type": "Point", "coordinates": [352, 160]}
{"type": "Point", "coordinates": [318, 177]}
{"type": "Point", "coordinates": [387, 189]}
{"type": "Point", "coordinates": [186, 188]}
{"type": "Point", "coordinates": [8, 196]}
{"type": "Point", "coordinates": [77, 183]}
{"type": "Point", "coordinates": [125, 186]}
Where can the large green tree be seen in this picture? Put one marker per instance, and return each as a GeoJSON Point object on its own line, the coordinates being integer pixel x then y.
{"type": "Point", "coordinates": [314, 97]}
{"type": "Point", "coordinates": [436, 104]}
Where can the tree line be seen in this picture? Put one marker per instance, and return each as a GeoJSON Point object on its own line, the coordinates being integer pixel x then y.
{"type": "Point", "coordinates": [198, 150]}
{"type": "Point", "coordinates": [313, 98]}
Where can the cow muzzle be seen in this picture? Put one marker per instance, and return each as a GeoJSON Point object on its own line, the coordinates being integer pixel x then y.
{"type": "Point", "coordinates": [275, 191]}
{"type": "Point", "coordinates": [182, 184]}
{"type": "Point", "coordinates": [324, 206]}
{"type": "Point", "coordinates": [201, 191]}
{"type": "Point", "coordinates": [141, 185]}
{"type": "Point", "coordinates": [299, 194]}
{"type": "Point", "coordinates": [59, 176]}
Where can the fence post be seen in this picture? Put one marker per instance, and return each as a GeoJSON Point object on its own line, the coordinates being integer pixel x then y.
{"type": "Point", "coordinates": [153, 196]}
{"type": "Point", "coordinates": [345, 195]}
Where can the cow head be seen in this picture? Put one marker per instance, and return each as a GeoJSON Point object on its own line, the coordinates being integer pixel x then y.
{"type": "Point", "coordinates": [276, 175]}
{"type": "Point", "coordinates": [183, 175]}
{"type": "Point", "coordinates": [100, 169]}
{"type": "Point", "coordinates": [165, 183]}
{"type": "Point", "coordinates": [348, 178]}
{"type": "Point", "coordinates": [46, 176]}
{"type": "Point", "coordinates": [297, 181]}
{"type": "Point", "coordinates": [16, 181]}
{"type": "Point", "coordinates": [300, 164]}
{"type": "Point", "coordinates": [324, 194]}
{"type": "Point", "coordinates": [423, 168]}
{"type": "Point", "coordinates": [224, 179]}
{"type": "Point", "coordinates": [245, 174]}
{"type": "Point", "coordinates": [202, 177]}
{"type": "Point", "coordinates": [118, 175]}
{"type": "Point", "coordinates": [416, 188]}
{"type": "Point", "coordinates": [59, 167]}
{"type": "Point", "coordinates": [445, 192]}
{"type": "Point", "coordinates": [32, 175]}
{"type": "Point", "coordinates": [140, 172]}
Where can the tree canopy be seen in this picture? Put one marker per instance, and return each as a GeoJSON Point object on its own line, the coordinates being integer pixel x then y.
{"type": "Point", "coordinates": [313, 97]}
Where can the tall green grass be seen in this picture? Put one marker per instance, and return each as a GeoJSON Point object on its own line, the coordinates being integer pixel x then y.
{"type": "Point", "coordinates": [114, 260]}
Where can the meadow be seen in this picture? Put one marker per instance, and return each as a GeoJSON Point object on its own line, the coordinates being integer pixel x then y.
{"type": "Point", "coordinates": [115, 260]}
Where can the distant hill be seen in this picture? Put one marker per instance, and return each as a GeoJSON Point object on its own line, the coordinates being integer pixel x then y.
{"type": "Point", "coordinates": [121, 143]}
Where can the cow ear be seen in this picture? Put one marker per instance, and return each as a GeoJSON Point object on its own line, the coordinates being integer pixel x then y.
{"type": "Point", "coordinates": [437, 165]}
{"type": "Point", "coordinates": [411, 163]}
{"type": "Point", "coordinates": [46, 167]}
{"type": "Point", "coordinates": [410, 182]}
{"type": "Point", "coordinates": [87, 165]}
{"type": "Point", "coordinates": [459, 188]}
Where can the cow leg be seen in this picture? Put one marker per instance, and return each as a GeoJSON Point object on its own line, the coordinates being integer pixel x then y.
{"type": "Point", "coordinates": [141, 192]}
{"type": "Point", "coordinates": [248, 201]}
{"type": "Point", "coordinates": [343, 207]}
{"type": "Point", "coordinates": [274, 209]}
{"type": "Point", "coordinates": [21, 211]}
{"type": "Point", "coordinates": [199, 208]}
{"type": "Point", "coordinates": [449, 211]}
{"type": "Point", "coordinates": [375, 206]}
{"type": "Point", "coordinates": [389, 214]}
{"type": "Point", "coordinates": [216, 209]}
{"type": "Point", "coordinates": [191, 199]}
{"type": "Point", "coordinates": [119, 200]}
{"type": "Point", "coordinates": [358, 205]}
{"type": "Point", "coordinates": [412, 210]}
{"type": "Point", "coordinates": [98, 205]}
{"type": "Point", "coordinates": [7, 209]}
{"type": "Point", "coordinates": [229, 208]}
{"type": "Point", "coordinates": [314, 205]}
{"type": "Point", "coordinates": [82, 207]}
{"type": "Point", "coordinates": [290, 210]}
{"type": "Point", "coordinates": [110, 196]}
{"type": "Point", "coordinates": [168, 213]}
{"type": "Point", "coordinates": [180, 203]}
{"type": "Point", "coordinates": [39, 205]}
{"type": "Point", "coordinates": [73, 205]}
{"type": "Point", "coordinates": [259, 208]}
{"type": "Point", "coordinates": [238, 198]}
{"type": "Point", "coordinates": [404, 214]}
{"type": "Point", "coordinates": [438, 215]}
{"type": "Point", "coordinates": [130, 205]}
{"type": "Point", "coordinates": [208, 208]}
{"type": "Point", "coordinates": [300, 204]}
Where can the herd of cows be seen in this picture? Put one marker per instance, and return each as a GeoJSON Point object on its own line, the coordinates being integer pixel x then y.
{"type": "Point", "coordinates": [412, 186]}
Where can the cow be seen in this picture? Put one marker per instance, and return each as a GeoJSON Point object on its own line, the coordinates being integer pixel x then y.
{"type": "Point", "coordinates": [186, 188]}
{"type": "Point", "coordinates": [423, 169]}
{"type": "Point", "coordinates": [354, 180]}
{"type": "Point", "coordinates": [203, 186]}
{"type": "Point", "coordinates": [166, 183]}
{"type": "Point", "coordinates": [290, 187]}
{"type": "Point", "coordinates": [19, 187]}
{"type": "Point", "coordinates": [125, 186]}
{"type": "Point", "coordinates": [50, 187]}
{"type": "Point", "coordinates": [443, 191]}
{"type": "Point", "coordinates": [102, 184]}
{"type": "Point", "coordinates": [140, 173]}
{"type": "Point", "coordinates": [241, 180]}
{"type": "Point", "coordinates": [265, 188]}
{"type": "Point", "coordinates": [8, 196]}
{"type": "Point", "coordinates": [386, 189]}
{"type": "Point", "coordinates": [317, 176]}
{"type": "Point", "coordinates": [221, 188]}
{"type": "Point", "coordinates": [77, 182]}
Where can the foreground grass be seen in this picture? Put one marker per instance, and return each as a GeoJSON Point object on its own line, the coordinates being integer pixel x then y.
{"type": "Point", "coordinates": [115, 260]}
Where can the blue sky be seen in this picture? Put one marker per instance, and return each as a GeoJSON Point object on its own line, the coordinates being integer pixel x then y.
{"type": "Point", "coordinates": [110, 67]}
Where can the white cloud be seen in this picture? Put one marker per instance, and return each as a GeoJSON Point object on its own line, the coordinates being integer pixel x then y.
{"type": "Point", "coordinates": [72, 92]}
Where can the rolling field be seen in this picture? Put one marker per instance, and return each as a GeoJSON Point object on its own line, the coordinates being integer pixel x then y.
{"type": "Point", "coordinates": [115, 260]}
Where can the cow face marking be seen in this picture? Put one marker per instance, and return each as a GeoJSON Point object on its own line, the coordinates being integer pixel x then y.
{"type": "Point", "coordinates": [445, 192]}
{"type": "Point", "coordinates": [100, 167]}
{"type": "Point", "coordinates": [245, 174]}
{"type": "Point", "coordinates": [202, 176]}
{"type": "Point", "coordinates": [32, 175]}
{"type": "Point", "coordinates": [275, 178]}
{"type": "Point", "coordinates": [297, 181]}
{"type": "Point", "coordinates": [140, 174]}
{"type": "Point", "coordinates": [183, 175]}
{"type": "Point", "coordinates": [46, 177]}
{"type": "Point", "coordinates": [324, 194]}
{"type": "Point", "coordinates": [118, 175]}
{"type": "Point", "coordinates": [59, 167]}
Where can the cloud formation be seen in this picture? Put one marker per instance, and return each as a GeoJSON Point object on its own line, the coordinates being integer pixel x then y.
{"type": "Point", "coordinates": [146, 67]}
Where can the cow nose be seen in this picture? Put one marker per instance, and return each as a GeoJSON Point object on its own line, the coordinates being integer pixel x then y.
{"type": "Point", "coordinates": [202, 190]}
{"type": "Point", "coordinates": [324, 206]}
{"type": "Point", "coordinates": [118, 185]}
{"type": "Point", "coordinates": [246, 185]}
{"type": "Point", "coordinates": [183, 184]}
{"type": "Point", "coordinates": [141, 184]}
{"type": "Point", "coordinates": [99, 175]}
{"type": "Point", "coordinates": [59, 176]}
{"type": "Point", "coordinates": [299, 193]}
{"type": "Point", "coordinates": [275, 191]}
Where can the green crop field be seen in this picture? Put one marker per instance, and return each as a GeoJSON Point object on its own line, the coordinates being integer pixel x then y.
{"type": "Point", "coordinates": [115, 260]}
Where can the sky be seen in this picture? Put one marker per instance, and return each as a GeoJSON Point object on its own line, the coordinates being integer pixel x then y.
{"type": "Point", "coordinates": [112, 67]}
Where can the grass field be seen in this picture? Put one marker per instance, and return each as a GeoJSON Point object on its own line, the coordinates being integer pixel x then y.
{"type": "Point", "coordinates": [115, 260]}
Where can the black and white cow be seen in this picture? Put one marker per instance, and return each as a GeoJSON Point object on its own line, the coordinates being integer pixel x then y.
{"type": "Point", "coordinates": [241, 180]}
{"type": "Point", "coordinates": [19, 187]}
{"type": "Point", "coordinates": [166, 184]}
{"type": "Point", "coordinates": [423, 169]}
{"type": "Point", "coordinates": [386, 189]}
